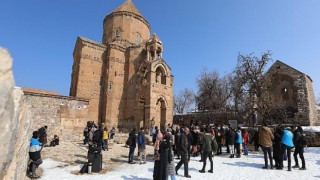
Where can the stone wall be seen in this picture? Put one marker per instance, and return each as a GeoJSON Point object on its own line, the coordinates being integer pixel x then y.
{"type": "Point", "coordinates": [313, 139]}
{"type": "Point", "coordinates": [64, 116]}
{"type": "Point", "coordinates": [15, 124]}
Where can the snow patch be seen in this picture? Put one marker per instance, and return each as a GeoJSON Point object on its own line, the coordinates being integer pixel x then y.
{"type": "Point", "coordinates": [311, 128]}
{"type": "Point", "coordinates": [247, 168]}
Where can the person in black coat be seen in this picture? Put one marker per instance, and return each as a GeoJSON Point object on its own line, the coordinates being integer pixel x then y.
{"type": "Point", "coordinates": [177, 142]}
{"type": "Point", "coordinates": [255, 140]}
{"type": "Point", "coordinates": [299, 148]}
{"type": "Point", "coordinates": [277, 155]}
{"type": "Point", "coordinates": [230, 136]}
{"type": "Point", "coordinates": [132, 144]}
{"type": "Point", "coordinates": [184, 153]}
{"type": "Point", "coordinates": [190, 139]}
{"type": "Point", "coordinates": [160, 171]}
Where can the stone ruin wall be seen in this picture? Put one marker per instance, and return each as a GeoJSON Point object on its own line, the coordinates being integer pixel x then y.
{"type": "Point", "coordinates": [314, 119]}
{"type": "Point", "coordinates": [64, 116]}
{"type": "Point", "coordinates": [306, 114]}
{"type": "Point", "coordinates": [15, 124]}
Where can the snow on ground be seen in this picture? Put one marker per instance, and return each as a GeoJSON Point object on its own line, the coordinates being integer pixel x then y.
{"type": "Point", "coordinates": [311, 128]}
{"type": "Point", "coordinates": [247, 168]}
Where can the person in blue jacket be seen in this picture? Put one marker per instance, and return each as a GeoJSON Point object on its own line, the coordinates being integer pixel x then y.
{"type": "Point", "coordinates": [287, 145]}
{"type": "Point", "coordinates": [238, 142]}
{"type": "Point", "coordinates": [34, 154]}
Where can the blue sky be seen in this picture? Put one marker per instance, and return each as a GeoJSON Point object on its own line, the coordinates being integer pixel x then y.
{"type": "Point", "coordinates": [197, 34]}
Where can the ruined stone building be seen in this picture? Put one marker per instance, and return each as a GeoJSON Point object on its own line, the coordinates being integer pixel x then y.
{"type": "Point", "coordinates": [124, 77]}
{"type": "Point", "coordinates": [295, 90]}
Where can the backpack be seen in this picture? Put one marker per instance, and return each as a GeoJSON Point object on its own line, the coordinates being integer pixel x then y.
{"type": "Point", "coordinates": [303, 140]}
{"type": "Point", "coordinates": [129, 141]}
{"type": "Point", "coordinates": [140, 139]}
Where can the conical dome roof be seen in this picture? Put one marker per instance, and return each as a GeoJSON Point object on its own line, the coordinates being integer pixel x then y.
{"type": "Point", "coordinates": [128, 6]}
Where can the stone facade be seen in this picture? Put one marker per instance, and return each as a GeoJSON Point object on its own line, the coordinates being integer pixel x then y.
{"type": "Point", "coordinates": [64, 116]}
{"type": "Point", "coordinates": [295, 90]}
{"type": "Point", "coordinates": [125, 77]}
{"type": "Point", "coordinates": [16, 124]}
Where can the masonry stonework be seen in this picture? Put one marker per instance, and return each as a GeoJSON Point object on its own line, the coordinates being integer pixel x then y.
{"type": "Point", "coordinates": [125, 76]}
{"type": "Point", "coordinates": [64, 116]}
{"type": "Point", "coordinates": [295, 89]}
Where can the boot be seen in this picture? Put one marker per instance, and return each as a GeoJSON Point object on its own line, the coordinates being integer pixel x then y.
{"type": "Point", "coordinates": [302, 168]}
{"type": "Point", "coordinates": [296, 166]}
{"type": "Point", "coordinates": [202, 171]}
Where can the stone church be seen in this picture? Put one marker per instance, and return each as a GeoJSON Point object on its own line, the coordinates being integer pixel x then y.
{"type": "Point", "coordinates": [125, 78]}
{"type": "Point", "coordinates": [295, 90]}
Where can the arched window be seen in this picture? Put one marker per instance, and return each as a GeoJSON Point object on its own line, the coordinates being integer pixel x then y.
{"type": "Point", "coordinates": [138, 38]}
{"type": "Point", "coordinates": [160, 76]}
{"type": "Point", "coordinates": [110, 85]}
{"type": "Point", "coordinates": [117, 35]}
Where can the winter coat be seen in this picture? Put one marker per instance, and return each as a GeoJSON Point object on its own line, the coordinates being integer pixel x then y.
{"type": "Point", "coordinates": [206, 143]}
{"type": "Point", "coordinates": [238, 137]}
{"type": "Point", "coordinates": [159, 171]}
{"type": "Point", "coordinates": [194, 138]}
{"type": "Point", "coordinates": [265, 136]}
{"type": "Point", "coordinates": [255, 138]}
{"type": "Point", "coordinates": [133, 138]}
{"type": "Point", "coordinates": [184, 145]}
{"type": "Point", "coordinates": [245, 137]}
{"type": "Point", "coordinates": [177, 139]}
{"type": "Point", "coordinates": [190, 139]}
{"type": "Point", "coordinates": [35, 149]}
{"type": "Point", "coordinates": [219, 137]}
{"type": "Point", "coordinates": [141, 147]}
{"type": "Point", "coordinates": [105, 135]}
{"type": "Point", "coordinates": [277, 144]}
{"type": "Point", "coordinates": [200, 137]}
{"type": "Point", "coordinates": [230, 137]}
{"type": "Point", "coordinates": [43, 135]}
{"type": "Point", "coordinates": [170, 169]}
{"type": "Point", "coordinates": [297, 135]}
{"type": "Point", "coordinates": [287, 138]}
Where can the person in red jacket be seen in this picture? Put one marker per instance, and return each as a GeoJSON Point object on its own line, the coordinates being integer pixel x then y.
{"type": "Point", "coordinates": [245, 137]}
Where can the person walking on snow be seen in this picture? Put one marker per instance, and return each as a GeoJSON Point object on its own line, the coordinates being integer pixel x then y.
{"type": "Point", "coordinates": [207, 151]}
{"type": "Point", "coordinates": [265, 140]}
{"type": "Point", "coordinates": [142, 146]}
{"type": "Point", "coordinates": [299, 148]}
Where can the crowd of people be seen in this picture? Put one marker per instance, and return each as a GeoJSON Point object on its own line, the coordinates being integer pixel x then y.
{"type": "Point", "coordinates": [183, 142]}
{"type": "Point", "coordinates": [206, 141]}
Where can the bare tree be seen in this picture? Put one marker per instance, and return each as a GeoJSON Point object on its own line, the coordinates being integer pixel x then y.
{"type": "Point", "coordinates": [183, 100]}
{"type": "Point", "coordinates": [213, 91]}
{"type": "Point", "coordinates": [250, 80]}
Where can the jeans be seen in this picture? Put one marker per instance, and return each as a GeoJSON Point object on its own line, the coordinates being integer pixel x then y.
{"type": "Point", "coordinates": [285, 148]}
{"type": "Point", "coordinates": [184, 161]}
{"type": "Point", "coordinates": [266, 152]}
{"type": "Point", "coordinates": [33, 165]}
{"type": "Point", "coordinates": [131, 153]}
{"type": "Point", "coordinates": [207, 154]}
{"type": "Point", "coordinates": [105, 144]}
{"type": "Point", "coordinates": [142, 156]}
{"type": "Point", "coordinates": [237, 145]}
{"type": "Point", "coordinates": [173, 177]}
{"type": "Point", "coordinates": [245, 147]}
{"type": "Point", "coordinates": [231, 149]}
{"type": "Point", "coordinates": [299, 150]}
